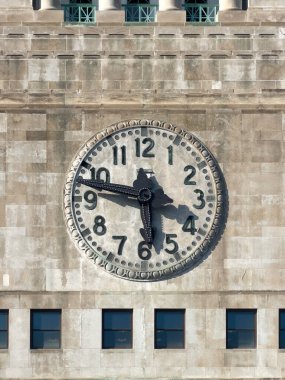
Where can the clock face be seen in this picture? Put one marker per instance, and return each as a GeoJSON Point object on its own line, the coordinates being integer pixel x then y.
{"type": "Point", "coordinates": [145, 200]}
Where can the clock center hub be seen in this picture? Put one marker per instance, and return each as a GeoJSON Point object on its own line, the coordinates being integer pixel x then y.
{"type": "Point", "coordinates": [145, 195]}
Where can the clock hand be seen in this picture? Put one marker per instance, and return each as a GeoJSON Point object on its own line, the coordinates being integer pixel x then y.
{"type": "Point", "coordinates": [143, 183]}
{"type": "Point", "coordinates": [113, 187]}
{"type": "Point", "coordinates": [146, 232]}
{"type": "Point", "coordinates": [141, 191]}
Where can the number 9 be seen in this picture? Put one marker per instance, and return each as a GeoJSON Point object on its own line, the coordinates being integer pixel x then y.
{"type": "Point", "coordinates": [91, 198]}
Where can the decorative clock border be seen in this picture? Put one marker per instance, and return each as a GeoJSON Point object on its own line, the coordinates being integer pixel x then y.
{"type": "Point", "coordinates": [192, 260]}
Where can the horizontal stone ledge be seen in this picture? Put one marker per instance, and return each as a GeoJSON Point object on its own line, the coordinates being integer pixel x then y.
{"type": "Point", "coordinates": [153, 107]}
{"type": "Point", "coordinates": [61, 293]}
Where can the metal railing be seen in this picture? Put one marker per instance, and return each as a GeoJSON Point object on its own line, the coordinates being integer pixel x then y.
{"type": "Point", "coordinates": [80, 13]}
{"type": "Point", "coordinates": [140, 12]}
{"type": "Point", "coordinates": [201, 13]}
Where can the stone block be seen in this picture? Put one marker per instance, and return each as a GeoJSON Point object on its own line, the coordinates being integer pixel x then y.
{"type": "Point", "coordinates": [205, 358]}
{"type": "Point", "coordinates": [121, 69]}
{"type": "Point", "coordinates": [195, 320]}
{"type": "Point", "coordinates": [66, 280]}
{"type": "Point", "coordinates": [44, 44]}
{"type": "Point", "coordinates": [17, 4]}
{"type": "Point", "coordinates": [110, 17]}
{"type": "Point", "coordinates": [240, 358]}
{"type": "Point", "coordinates": [178, 358]}
{"type": "Point", "coordinates": [83, 70]}
{"type": "Point", "coordinates": [263, 4]}
{"type": "Point", "coordinates": [232, 16]}
{"type": "Point", "coordinates": [197, 69]}
{"type": "Point", "coordinates": [267, 336]}
{"type": "Point", "coordinates": [71, 332]}
{"type": "Point", "coordinates": [114, 360]}
{"type": "Point", "coordinates": [171, 17]}
{"type": "Point", "coordinates": [46, 16]}
{"type": "Point", "coordinates": [46, 70]}
{"type": "Point", "coordinates": [91, 332]}
{"type": "Point", "coordinates": [27, 152]}
{"type": "Point", "coordinates": [215, 329]}
{"type": "Point", "coordinates": [19, 335]}
{"type": "Point", "coordinates": [240, 70]}
{"type": "Point", "coordinates": [270, 69]}
{"type": "Point", "coordinates": [46, 363]}
{"type": "Point", "coordinates": [87, 43]}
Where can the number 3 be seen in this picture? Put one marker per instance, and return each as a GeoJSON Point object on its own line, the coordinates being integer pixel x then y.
{"type": "Point", "coordinates": [200, 198]}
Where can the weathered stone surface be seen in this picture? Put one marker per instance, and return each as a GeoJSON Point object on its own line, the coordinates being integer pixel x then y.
{"type": "Point", "coordinates": [62, 84]}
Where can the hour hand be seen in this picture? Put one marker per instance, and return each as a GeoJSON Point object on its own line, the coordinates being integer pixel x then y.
{"type": "Point", "coordinates": [112, 187]}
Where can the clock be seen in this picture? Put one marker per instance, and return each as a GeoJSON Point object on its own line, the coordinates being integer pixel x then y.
{"type": "Point", "coordinates": [145, 200]}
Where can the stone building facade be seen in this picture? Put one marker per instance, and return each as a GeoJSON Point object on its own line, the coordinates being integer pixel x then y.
{"type": "Point", "coordinates": [62, 83]}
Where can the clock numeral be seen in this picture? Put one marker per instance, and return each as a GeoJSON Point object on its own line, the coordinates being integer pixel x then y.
{"type": "Point", "coordinates": [91, 198]}
{"type": "Point", "coordinates": [169, 239]}
{"type": "Point", "coordinates": [99, 227]}
{"type": "Point", "coordinates": [201, 199]}
{"type": "Point", "coordinates": [146, 152]}
{"type": "Point", "coordinates": [116, 152]}
{"type": "Point", "coordinates": [170, 155]}
{"type": "Point", "coordinates": [144, 251]}
{"type": "Point", "coordinates": [187, 180]}
{"type": "Point", "coordinates": [121, 244]}
{"type": "Point", "coordinates": [102, 174]}
{"type": "Point", "coordinates": [189, 225]}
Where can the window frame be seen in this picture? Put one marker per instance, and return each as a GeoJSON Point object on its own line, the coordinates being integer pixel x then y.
{"type": "Point", "coordinates": [279, 330]}
{"type": "Point", "coordinates": [131, 330]}
{"type": "Point", "coordinates": [254, 312]}
{"type": "Point", "coordinates": [5, 311]}
{"type": "Point", "coordinates": [156, 311]}
{"type": "Point", "coordinates": [32, 330]}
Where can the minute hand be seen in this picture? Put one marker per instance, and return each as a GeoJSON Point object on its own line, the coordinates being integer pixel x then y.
{"type": "Point", "coordinates": [112, 187]}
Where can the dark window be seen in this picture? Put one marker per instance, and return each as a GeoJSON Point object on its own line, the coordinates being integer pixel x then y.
{"type": "Point", "coordinates": [241, 328]}
{"type": "Point", "coordinates": [80, 1]}
{"type": "Point", "coordinates": [196, 1]}
{"type": "Point", "coordinates": [244, 4]}
{"type": "Point", "coordinates": [45, 329]}
{"type": "Point", "coordinates": [281, 328]}
{"type": "Point", "coordinates": [4, 316]}
{"type": "Point", "coordinates": [117, 328]}
{"type": "Point", "coordinates": [169, 328]}
{"type": "Point", "coordinates": [138, 1]}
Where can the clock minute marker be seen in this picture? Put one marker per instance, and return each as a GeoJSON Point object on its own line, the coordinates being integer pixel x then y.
{"type": "Point", "coordinates": [85, 165]}
{"type": "Point", "coordinates": [111, 140]}
{"type": "Point", "coordinates": [86, 232]}
{"type": "Point", "coordinates": [77, 198]}
{"type": "Point", "coordinates": [144, 131]}
{"type": "Point", "coordinates": [177, 140]}
{"type": "Point", "coordinates": [201, 165]}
